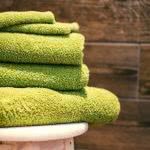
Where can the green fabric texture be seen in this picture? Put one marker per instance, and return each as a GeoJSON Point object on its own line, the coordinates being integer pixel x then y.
{"type": "Point", "coordinates": [59, 77]}
{"type": "Point", "coordinates": [42, 76]}
{"type": "Point", "coordinates": [37, 106]}
{"type": "Point", "coordinates": [29, 17]}
{"type": "Point", "coordinates": [30, 48]}
{"type": "Point", "coordinates": [44, 29]}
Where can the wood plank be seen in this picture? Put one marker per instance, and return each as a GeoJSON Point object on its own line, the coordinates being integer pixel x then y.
{"type": "Point", "coordinates": [144, 110]}
{"type": "Point", "coordinates": [106, 20]}
{"type": "Point", "coordinates": [145, 71]}
{"type": "Point", "coordinates": [130, 110]}
{"type": "Point", "coordinates": [115, 137]}
{"type": "Point", "coordinates": [111, 20]}
{"type": "Point", "coordinates": [114, 67]}
{"type": "Point", "coordinates": [144, 11]}
{"type": "Point", "coordinates": [6, 5]}
{"type": "Point", "coordinates": [135, 110]}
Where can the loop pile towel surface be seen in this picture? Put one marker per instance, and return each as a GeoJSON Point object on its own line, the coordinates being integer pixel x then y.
{"type": "Point", "coordinates": [42, 76]}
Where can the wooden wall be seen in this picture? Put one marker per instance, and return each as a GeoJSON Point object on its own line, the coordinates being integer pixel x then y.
{"type": "Point", "coordinates": [117, 52]}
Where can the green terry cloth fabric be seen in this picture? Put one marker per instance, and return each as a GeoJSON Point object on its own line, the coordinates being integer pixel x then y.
{"type": "Point", "coordinates": [34, 22]}
{"type": "Point", "coordinates": [44, 29]}
{"type": "Point", "coordinates": [29, 48]}
{"type": "Point", "coordinates": [59, 77]}
{"type": "Point", "coordinates": [29, 17]}
{"type": "Point", "coordinates": [37, 106]}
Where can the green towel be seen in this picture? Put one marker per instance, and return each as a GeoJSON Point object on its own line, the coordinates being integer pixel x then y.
{"type": "Point", "coordinates": [29, 17]}
{"type": "Point", "coordinates": [29, 48]}
{"type": "Point", "coordinates": [37, 106]}
{"type": "Point", "coordinates": [34, 22]}
{"type": "Point", "coordinates": [59, 77]}
{"type": "Point", "coordinates": [43, 29]}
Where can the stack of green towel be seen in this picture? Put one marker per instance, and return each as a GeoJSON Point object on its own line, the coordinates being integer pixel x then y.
{"type": "Point", "coordinates": [42, 76]}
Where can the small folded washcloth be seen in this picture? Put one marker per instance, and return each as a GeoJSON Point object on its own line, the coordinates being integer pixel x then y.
{"type": "Point", "coordinates": [13, 18]}
{"type": "Point", "coordinates": [58, 77]}
{"type": "Point", "coordinates": [29, 48]}
{"type": "Point", "coordinates": [37, 106]}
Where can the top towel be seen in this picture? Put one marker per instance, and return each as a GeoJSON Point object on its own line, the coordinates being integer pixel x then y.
{"type": "Point", "coordinates": [34, 22]}
{"type": "Point", "coordinates": [30, 17]}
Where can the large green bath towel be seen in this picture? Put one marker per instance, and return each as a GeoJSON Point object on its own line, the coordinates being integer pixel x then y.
{"type": "Point", "coordinates": [59, 77]}
{"type": "Point", "coordinates": [37, 106]}
{"type": "Point", "coordinates": [29, 48]}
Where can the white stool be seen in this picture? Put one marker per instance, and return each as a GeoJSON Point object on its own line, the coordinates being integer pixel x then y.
{"type": "Point", "coordinates": [50, 137]}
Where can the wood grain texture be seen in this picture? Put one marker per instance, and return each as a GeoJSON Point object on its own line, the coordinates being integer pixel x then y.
{"type": "Point", "coordinates": [100, 20]}
{"type": "Point", "coordinates": [106, 20]}
{"type": "Point", "coordinates": [135, 110]}
{"type": "Point", "coordinates": [145, 71]}
{"type": "Point", "coordinates": [144, 111]}
{"type": "Point", "coordinates": [6, 5]}
{"type": "Point", "coordinates": [127, 136]}
{"type": "Point", "coordinates": [114, 67]}
{"type": "Point", "coordinates": [144, 12]}
{"type": "Point", "coordinates": [130, 110]}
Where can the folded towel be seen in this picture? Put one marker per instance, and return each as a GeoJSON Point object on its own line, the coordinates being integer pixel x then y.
{"type": "Point", "coordinates": [29, 17]}
{"type": "Point", "coordinates": [34, 22]}
{"type": "Point", "coordinates": [59, 77]}
{"type": "Point", "coordinates": [25, 48]}
{"type": "Point", "coordinates": [43, 29]}
{"type": "Point", "coordinates": [37, 106]}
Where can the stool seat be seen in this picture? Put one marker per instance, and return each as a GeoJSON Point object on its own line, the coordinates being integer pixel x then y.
{"type": "Point", "coordinates": [42, 133]}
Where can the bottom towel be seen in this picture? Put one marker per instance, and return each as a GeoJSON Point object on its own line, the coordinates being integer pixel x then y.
{"type": "Point", "coordinates": [40, 106]}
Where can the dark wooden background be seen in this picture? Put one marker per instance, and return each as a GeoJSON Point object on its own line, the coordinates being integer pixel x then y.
{"type": "Point", "coordinates": [118, 55]}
